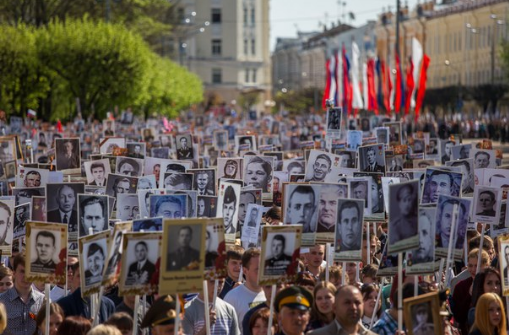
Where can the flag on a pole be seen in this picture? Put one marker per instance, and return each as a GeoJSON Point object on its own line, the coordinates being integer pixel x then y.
{"type": "Point", "coordinates": [31, 113]}
{"type": "Point", "coordinates": [346, 83]}
{"type": "Point", "coordinates": [356, 92]}
{"type": "Point", "coordinates": [416, 61]}
{"type": "Point", "coordinates": [371, 90]}
{"type": "Point", "coordinates": [327, 83]}
{"type": "Point", "coordinates": [422, 85]}
{"type": "Point", "coordinates": [410, 85]}
{"type": "Point", "coordinates": [399, 98]}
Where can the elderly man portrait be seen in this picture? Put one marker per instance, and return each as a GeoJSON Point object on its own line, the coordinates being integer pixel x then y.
{"type": "Point", "coordinates": [32, 179]}
{"type": "Point", "coordinates": [66, 212]}
{"type": "Point", "coordinates": [68, 158]}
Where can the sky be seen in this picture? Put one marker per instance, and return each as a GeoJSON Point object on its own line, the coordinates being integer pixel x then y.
{"type": "Point", "coordinates": [288, 16]}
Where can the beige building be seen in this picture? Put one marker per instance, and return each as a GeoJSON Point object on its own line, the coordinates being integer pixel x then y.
{"type": "Point", "coordinates": [226, 43]}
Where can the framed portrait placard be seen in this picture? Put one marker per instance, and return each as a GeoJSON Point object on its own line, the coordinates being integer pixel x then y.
{"type": "Point", "coordinates": [182, 256]}
{"type": "Point", "coordinates": [280, 254]}
{"type": "Point", "coordinates": [444, 217]}
{"type": "Point", "coordinates": [93, 250]}
{"type": "Point", "coordinates": [8, 219]}
{"type": "Point", "coordinates": [46, 256]}
{"type": "Point", "coordinates": [403, 220]}
{"type": "Point", "coordinates": [140, 254]}
{"type": "Point", "coordinates": [348, 235]}
{"type": "Point", "coordinates": [422, 259]}
{"type": "Point", "coordinates": [422, 314]}
{"type": "Point", "coordinates": [215, 250]}
{"type": "Point", "coordinates": [115, 252]}
{"type": "Point", "coordinates": [503, 245]}
{"type": "Point", "coordinates": [487, 204]}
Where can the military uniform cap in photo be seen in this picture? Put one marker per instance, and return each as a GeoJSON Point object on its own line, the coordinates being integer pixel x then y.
{"type": "Point", "coordinates": [162, 312]}
{"type": "Point", "coordinates": [294, 297]}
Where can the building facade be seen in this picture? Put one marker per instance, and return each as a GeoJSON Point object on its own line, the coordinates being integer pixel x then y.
{"type": "Point", "coordinates": [226, 43]}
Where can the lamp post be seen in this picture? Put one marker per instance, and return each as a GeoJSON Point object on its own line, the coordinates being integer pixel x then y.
{"type": "Point", "coordinates": [458, 73]}
{"type": "Point", "coordinates": [187, 30]}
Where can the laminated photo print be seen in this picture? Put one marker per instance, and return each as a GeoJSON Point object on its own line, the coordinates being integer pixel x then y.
{"type": "Point", "coordinates": [38, 209]}
{"type": "Point", "coordinates": [144, 201]}
{"type": "Point", "coordinates": [372, 158]}
{"type": "Point", "coordinates": [333, 121]}
{"type": "Point", "coordinates": [484, 158]}
{"type": "Point", "coordinates": [46, 252]}
{"type": "Point", "coordinates": [353, 139]}
{"type": "Point", "coordinates": [279, 254]}
{"type": "Point", "coordinates": [184, 145]}
{"type": "Point", "coordinates": [461, 151]}
{"type": "Point", "coordinates": [445, 217]}
{"type": "Point", "coordinates": [147, 182]}
{"type": "Point", "coordinates": [97, 171]}
{"type": "Point", "coordinates": [119, 184]}
{"type": "Point", "coordinates": [247, 196]}
{"type": "Point", "coordinates": [31, 177]}
{"type": "Point", "coordinates": [258, 173]}
{"type": "Point", "coordinates": [327, 210]}
{"type": "Point", "coordinates": [191, 199]}
{"type": "Point", "coordinates": [22, 214]}
{"type": "Point", "coordinates": [487, 204]}
{"type": "Point", "coordinates": [503, 224]}
{"type": "Point", "coordinates": [382, 135]}
{"type": "Point", "coordinates": [403, 220]}
{"type": "Point", "coordinates": [148, 224]}
{"type": "Point", "coordinates": [128, 207]}
{"type": "Point", "coordinates": [68, 153]}
{"type": "Point", "coordinates": [323, 167]}
{"type": "Point", "coordinates": [127, 166]}
{"type": "Point", "coordinates": [503, 251]}
{"type": "Point", "coordinates": [172, 167]}
{"type": "Point", "coordinates": [446, 150]}
{"type": "Point", "coordinates": [245, 142]}
{"type": "Point", "coordinates": [140, 254]}
{"type": "Point", "coordinates": [220, 139]}
{"type": "Point", "coordinates": [251, 229]}
{"type": "Point", "coordinates": [204, 181]}
{"type": "Point", "coordinates": [215, 250]}
{"type": "Point", "coordinates": [206, 206]}
{"type": "Point", "coordinates": [7, 220]}
{"type": "Point", "coordinates": [230, 168]}
{"type": "Point", "coordinates": [439, 181]}
{"type": "Point", "coordinates": [93, 214]}
{"type": "Point", "coordinates": [422, 314]}
{"type": "Point", "coordinates": [136, 149]}
{"type": "Point", "coordinates": [421, 260]}
{"type": "Point", "coordinates": [395, 133]}
{"type": "Point", "coordinates": [175, 181]}
{"type": "Point", "coordinates": [23, 195]}
{"type": "Point", "coordinates": [348, 235]}
{"type": "Point", "coordinates": [93, 250]}
{"type": "Point", "coordinates": [228, 208]}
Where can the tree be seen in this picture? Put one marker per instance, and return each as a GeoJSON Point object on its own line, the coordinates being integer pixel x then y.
{"type": "Point", "coordinates": [22, 82]}
{"type": "Point", "coordinates": [103, 65]}
{"type": "Point", "coordinates": [249, 99]}
{"type": "Point", "coordinates": [298, 102]}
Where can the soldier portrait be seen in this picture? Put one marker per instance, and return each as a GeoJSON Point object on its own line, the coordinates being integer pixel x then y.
{"type": "Point", "coordinates": [186, 251]}
{"type": "Point", "coordinates": [280, 255]}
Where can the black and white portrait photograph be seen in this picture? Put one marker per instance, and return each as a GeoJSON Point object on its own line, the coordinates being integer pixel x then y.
{"type": "Point", "coordinates": [483, 158]}
{"type": "Point", "coordinates": [191, 200]}
{"type": "Point", "coordinates": [230, 168]}
{"type": "Point", "coordinates": [382, 135]}
{"type": "Point", "coordinates": [32, 177]}
{"type": "Point", "coordinates": [147, 182]}
{"type": "Point", "coordinates": [10, 169]}
{"type": "Point", "coordinates": [62, 204]}
{"type": "Point", "coordinates": [444, 223]}
{"type": "Point", "coordinates": [136, 149]}
{"type": "Point", "coordinates": [68, 155]}
{"type": "Point", "coordinates": [162, 152]}
{"type": "Point", "coordinates": [502, 227]}
{"type": "Point", "coordinates": [258, 172]}
{"type": "Point", "coordinates": [446, 150]}
{"type": "Point", "coordinates": [206, 206]}
{"type": "Point", "coordinates": [425, 163]}
{"type": "Point", "coordinates": [439, 181]}
{"type": "Point", "coordinates": [144, 201]}
{"type": "Point", "coordinates": [97, 171]}
{"type": "Point", "coordinates": [127, 166]}
{"type": "Point", "coordinates": [108, 128]}
{"type": "Point", "coordinates": [461, 151]}
{"type": "Point", "coordinates": [278, 159]}
{"type": "Point", "coordinates": [348, 237]}
{"type": "Point", "coordinates": [184, 248]}
{"type": "Point", "coordinates": [118, 184]}
{"type": "Point", "coordinates": [22, 214]}
{"type": "Point", "coordinates": [466, 167]}
{"type": "Point", "coordinates": [403, 218]}
{"type": "Point", "coordinates": [166, 140]}
{"type": "Point", "coordinates": [92, 213]}
{"type": "Point", "coordinates": [334, 121]}
{"type": "Point", "coordinates": [353, 139]}
{"type": "Point", "coordinates": [184, 145]}
{"type": "Point", "coordinates": [376, 195]}
{"type": "Point", "coordinates": [228, 206]}
{"type": "Point", "coordinates": [115, 252]}
{"type": "Point", "coordinates": [148, 224]}
{"type": "Point", "coordinates": [220, 139]}
{"type": "Point", "coordinates": [394, 163]}
{"type": "Point", "coordinates": [395, 133]}
{"type": "Point", "coordinates": [301, 206]}
{"type": "Point", "coordinates": [294, 166]}
{"type": "Point", "coordinates": [279, 248]}
{"type": "Point", "coordinates": [128, 207]}
{"type": "Point", "coordinates": [327, 211]}
{"type": "Point", "coordinates": [176, 181]}
{"type": "Point", "coordinates": [93, 252]}
{"type": "Point", "coordinates": [360, 188]}
{"type": "Point", "coordinates": [169, 206]}
{"type": "Point", "coordinates": [245, 142]}
{"type": "Point", "coordinates": [45, 246]}
{"type": "Point", "coordinates": [204, 181]}
{"type": "Point", "coordinates": [109, 144]}
{"type": "Point", "coordinates": [348, 158]}
{"type": "Point", "coordinates": [247, 197]}
{"type": "Point", "coordinates": [141, 251]}
{"type": "Point", "coordinates": [421, 259]}
{"type": "Point", "coordinates": [23, 195]}
{"type": "Point", "coordinates": [422, 315]}
{"type": "Point", "coordinates": [503, 251]}
{"type": "Point", "coordinates": [418, 146]}
{"type": "Point", "coordinates": [372, 158]}
{"type": "Point", "coordinates": [7, 220]}
{"type": "Point", "coordinates": [487, 202]}
{"type": "Point", "coordinates": [7, 149]}
{"type": "Point", "coordinates": [323, 167]}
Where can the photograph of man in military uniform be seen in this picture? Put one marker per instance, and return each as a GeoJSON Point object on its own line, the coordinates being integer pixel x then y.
{"type": "Point", "coordinates": [277, 260]}
{"type": "Point", "coordinates": [45, 247]}
{"type": "Point", "coordinates": [187, 251]}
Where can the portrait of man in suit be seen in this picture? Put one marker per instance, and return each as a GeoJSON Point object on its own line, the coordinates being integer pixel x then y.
{"type": "Point", "coordinates": [140, 272]}
{"type": "Point", "coordinates": [45, 249]}
{"type": "Point", "coordinates": [184, 255]}
{"type": "Point", "coordinates": [5, 223]}
{"type": "Point", "coordinates": [372, 164]}
{"type": "Point", "coordinates": [66, 212]}
{"type": "Point", "coordinates": [203, 182]}
{"type": "Point", "coordinates": [99, 173]}
{"type": "Point", "coordinates": [67, 154]}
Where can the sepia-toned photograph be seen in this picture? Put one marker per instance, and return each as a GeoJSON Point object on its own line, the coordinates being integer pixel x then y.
{"type": "Point", "coordinates": [46, 252]}
{"type": "Point", "coordinates": [403, 220]}
{"type": "Point", "coordinates": [68, 154]}
{"type": "Point", "coordinates": [422, 315]}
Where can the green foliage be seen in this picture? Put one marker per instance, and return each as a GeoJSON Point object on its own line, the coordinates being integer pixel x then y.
{"type": "Point", "coordinates": [299, 101]}
{"type": "Point", "coordinates": [21, 79]}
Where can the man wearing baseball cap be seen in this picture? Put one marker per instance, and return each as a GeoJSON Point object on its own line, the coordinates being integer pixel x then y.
{"type": "Point", "coordinates": [293, 305]}
{"type": "Point", "coordinates": [161, 317]}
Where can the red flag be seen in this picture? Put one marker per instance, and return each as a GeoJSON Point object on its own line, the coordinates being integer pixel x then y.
{"type": "Point", "coordinates": [410, 85]}
{"type": "Point", "coordinates": [372, 105]}
{"type": "Point", "coordinates": [398, 93]}
{"type": "Point", "coordinates": [59, 126]}
{"type": "Point", "coordinates": [387, 87]}
{"type": "Point", "coordinates": [347, 89]}
{"type": "Point", "coordinates": [327, 84]}
{"type": "Point", "coordinates": [422, 85]}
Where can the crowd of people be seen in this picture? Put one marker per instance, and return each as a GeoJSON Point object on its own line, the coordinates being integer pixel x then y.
{"type": "Point", "coordinates": [252, 172]}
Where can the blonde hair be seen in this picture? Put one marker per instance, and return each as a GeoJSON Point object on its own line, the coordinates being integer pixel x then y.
{"type": "Point", "coordinates": [474, 253]}
{"type": "Point", "coordinates": [3, 318]}
{"type": "Point", "coordinates": [482, 318]}
{"type": "Point", "coordinates": [104, 330]}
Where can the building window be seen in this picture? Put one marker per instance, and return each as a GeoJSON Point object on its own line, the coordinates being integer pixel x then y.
{"type": "Point", "coordinates": [253, 47]}
{"type": "Point", "coordinates": [246, 75]}
{"type": "Point", "coordinates": [217, 76]}
{"type": "Point", "coordinates": [216, 15]}
{"type": "Point", "coordinates": [253, 17]}
{"type": "Point", "coordinates": [216, 47]}
{"type": "Point", "coordinates": [245, 16]}
{"type": "Point", "coordinates": [246, 47]}
{"type": "Point", "coordinates": [254, 76]}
